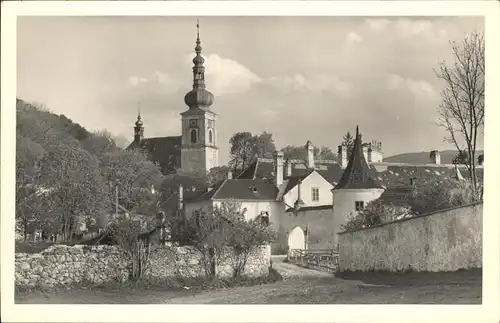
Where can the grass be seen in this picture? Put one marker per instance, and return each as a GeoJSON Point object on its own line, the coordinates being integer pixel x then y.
{"type": "Point", "coordinates": [123, 292]}
{"type": "Point", "coordinates": [461, 287]}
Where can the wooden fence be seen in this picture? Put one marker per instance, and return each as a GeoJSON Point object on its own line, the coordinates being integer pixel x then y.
{"type": "Point", "coordinates": [320, 259]}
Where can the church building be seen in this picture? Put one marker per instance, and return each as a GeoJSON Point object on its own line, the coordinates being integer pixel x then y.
{"type": "Point", "coordinates": [195, 150]}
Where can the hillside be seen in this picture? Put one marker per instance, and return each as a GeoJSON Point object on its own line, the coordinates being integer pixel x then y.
{"type": "Point", "coordinates": [423, 157]}
{"type": "Point", "coordinates": [33, 121]}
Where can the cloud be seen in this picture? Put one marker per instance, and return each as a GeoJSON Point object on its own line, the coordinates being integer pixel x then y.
{"type": "Point", "coordinates": [353, 38]}
{"type": "Point", "coordinates": [136, 80]}
{"type": "Point", "coordinates": [314, 83]}
{"type": "Point", "coordinates": [413, 26]}
{"type": "Point", "coordinates": [377, 24]}
{"type": "Point", "coordinates": [418, 88]}
{"type": "Point", "coordinates": [158, 82]}
{"type": "Point", "coordinates": [226, 76]}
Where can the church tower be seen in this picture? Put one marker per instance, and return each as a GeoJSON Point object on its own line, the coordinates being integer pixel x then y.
{"type": "Point", "coordinates": [138, 130]}
{"type": "Point", "coordinates": [199, 150]}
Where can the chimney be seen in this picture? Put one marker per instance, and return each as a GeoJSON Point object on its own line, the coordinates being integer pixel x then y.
{"type": "Point", "coordinates": [310, 154]}
{"type": "Point", "coordinates": [342, 156]}
{"type": "Point", "coordinates": [229, 175]}
{"type": "Point", "coordinates": [181, 198]}
{"type": "Point", "coordinates": [435, 157]}
{"type": "Point", "coordinates": [288, 168]}
{"type": "Point", "coordinates": [278, 160]}
{"type": "Point", "coordinates": [369, 151]}
{"type": "Point", "coordinates": [299, 201]}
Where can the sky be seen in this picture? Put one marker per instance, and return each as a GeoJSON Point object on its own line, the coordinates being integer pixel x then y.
{"type": "Point", "coordinates": [299, 78]}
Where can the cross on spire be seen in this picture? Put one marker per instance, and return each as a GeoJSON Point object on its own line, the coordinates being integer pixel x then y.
{"type": "Point", "coordinates": [198, 29]}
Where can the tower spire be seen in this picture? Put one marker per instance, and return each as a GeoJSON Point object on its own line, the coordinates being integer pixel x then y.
{"type": "Point", "coordinates": [139, 128]}
{"type": "Point", "coordinates": [198, 97]}
{"type": "Point", "coordinates": [357, 174]}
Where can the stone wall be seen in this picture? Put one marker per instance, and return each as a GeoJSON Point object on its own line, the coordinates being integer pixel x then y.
{"type": "Point", "coordinates": [63, 265]}
{"type": "Point", "coordinates": [442, 241]}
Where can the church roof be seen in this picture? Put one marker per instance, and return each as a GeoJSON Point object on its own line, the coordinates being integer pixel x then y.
{"type": "Point", "coordinates": [166, 151]}
{"type": "Point", "coordinates": [357, 174]}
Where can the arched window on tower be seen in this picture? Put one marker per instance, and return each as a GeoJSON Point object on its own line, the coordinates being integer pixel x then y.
{"type": "Point", "coordinates": [194, 136]}
{"type": "Point", "coordinates": [210, 136]}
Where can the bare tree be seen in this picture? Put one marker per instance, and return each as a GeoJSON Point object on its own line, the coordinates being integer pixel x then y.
{"type": "Point", "coordinates": [462, 98]}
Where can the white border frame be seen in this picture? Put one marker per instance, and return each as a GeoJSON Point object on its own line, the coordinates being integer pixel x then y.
{"type": "Point", "coordinates": [487, 312]}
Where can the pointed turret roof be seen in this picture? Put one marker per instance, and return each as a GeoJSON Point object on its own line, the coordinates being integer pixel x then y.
{"type": "Point", "coordinates": [357, 174]}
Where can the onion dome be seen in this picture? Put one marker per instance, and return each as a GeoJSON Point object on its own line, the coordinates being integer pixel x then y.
{"type": "Point", "coordinates": [139, 123]}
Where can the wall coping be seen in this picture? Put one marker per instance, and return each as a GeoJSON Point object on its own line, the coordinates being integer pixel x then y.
{"type": "Point", "coordinates": [413, 217]}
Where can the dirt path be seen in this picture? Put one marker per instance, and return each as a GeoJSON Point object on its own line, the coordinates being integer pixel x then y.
{"type": "Point", "coordinates": [299, 286]}
{"type": "Point", "coordinates": [288, 270]}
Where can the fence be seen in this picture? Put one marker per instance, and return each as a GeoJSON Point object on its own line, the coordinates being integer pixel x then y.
{"type": "Point", "coordinates": [320, 259]}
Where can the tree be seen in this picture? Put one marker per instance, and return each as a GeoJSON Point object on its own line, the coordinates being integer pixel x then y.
{"type": "Point", "coordinates": [377, 212]}
{"type": "Point", "coordinates": [127, 233]}
{"type": "Point", "coordinates": [264, 145]}
{"type": "Point", "coordinates": [215, 230]}
{"type": "Point", "coordinates": [348, 141]}
{"type": "Point", "coordinates": [326, 154]}
{"type": "Point", "coordinates": [245, 147]}
{"type": "Point", "coordinates": [462, 98]}
{"type": "Point", "coordinates": [100, 142]}
{"type": "Point", "coordinates": [461, 158]}
{"type": "Point", "coordinates": [242, 150]}
{"type": "Point", "coordinates": [217, 174]}
{"type": "Point", "coordinates": [28, 210]}
{"type": "Point", "coordinates": [298, 152]}
{"type": "Point", "coordinates": [138, 180]}
{"type": "Point", "coordinates": [71, 174]}
{"type": "Point", "coordinates": [442, 193]}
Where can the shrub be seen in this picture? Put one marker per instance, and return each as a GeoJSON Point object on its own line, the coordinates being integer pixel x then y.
{"type": "Point", "coordinates": [438, 194]}
{"type": "Point", "coordinates": [223, 232]}
{"type": "Point", "coordinates": [376, 212]}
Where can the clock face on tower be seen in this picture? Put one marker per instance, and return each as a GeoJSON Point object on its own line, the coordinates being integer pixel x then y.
{"type": "Point", "coordinates": [193, 123]}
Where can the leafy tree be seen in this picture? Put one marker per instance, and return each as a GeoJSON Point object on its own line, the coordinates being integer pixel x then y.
{"type": "Point", "coordinates": [326, 154]}
{"type": "Point", "coordinates": [212, 231]}
{"type": "Point", "coordinates": [127, 233]}
{"type": "Point", "coordinates": [100, 143]}
{"type": "Point", "coordinates": [193, 184]}
{"type": "Point", "coordinates": [264, 145]}
{"type": "Point", "coordinates": [245, 147]}
{"type": "Point", "coordinates": [242, 150]}
{"type": "Point", "coordinates": [137, 178]}
{"type": "Point", "coordinates": [437, 194]}
{"type": "Point", "coordinates": [217, 174]}
{"type": "Point", "coordinates": [28, 157]}
{"type": "Point", "coordinates": [377, 212]}
{"type": "Point", "coordinates": [462, 98]}
{"type": "Point", "coordinates": [298, 152]}
{"type": "Point", "coordinates": [76, 188]}
{"type": "Point", "coordinates": [461, 158]}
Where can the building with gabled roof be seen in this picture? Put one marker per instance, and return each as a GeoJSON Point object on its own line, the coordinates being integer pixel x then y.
{"type": "Point", "coordinates": [196, 149]}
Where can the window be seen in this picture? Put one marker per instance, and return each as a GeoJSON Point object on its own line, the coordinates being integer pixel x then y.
{"type": "Point", "coordinates": [194, 136]}
{"type": "Point", "coordinates": [359, 205]}
{"type": "Point", "coordinates": [209, 136]}
{"type": "Point", "coordinates": [315, 194]}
